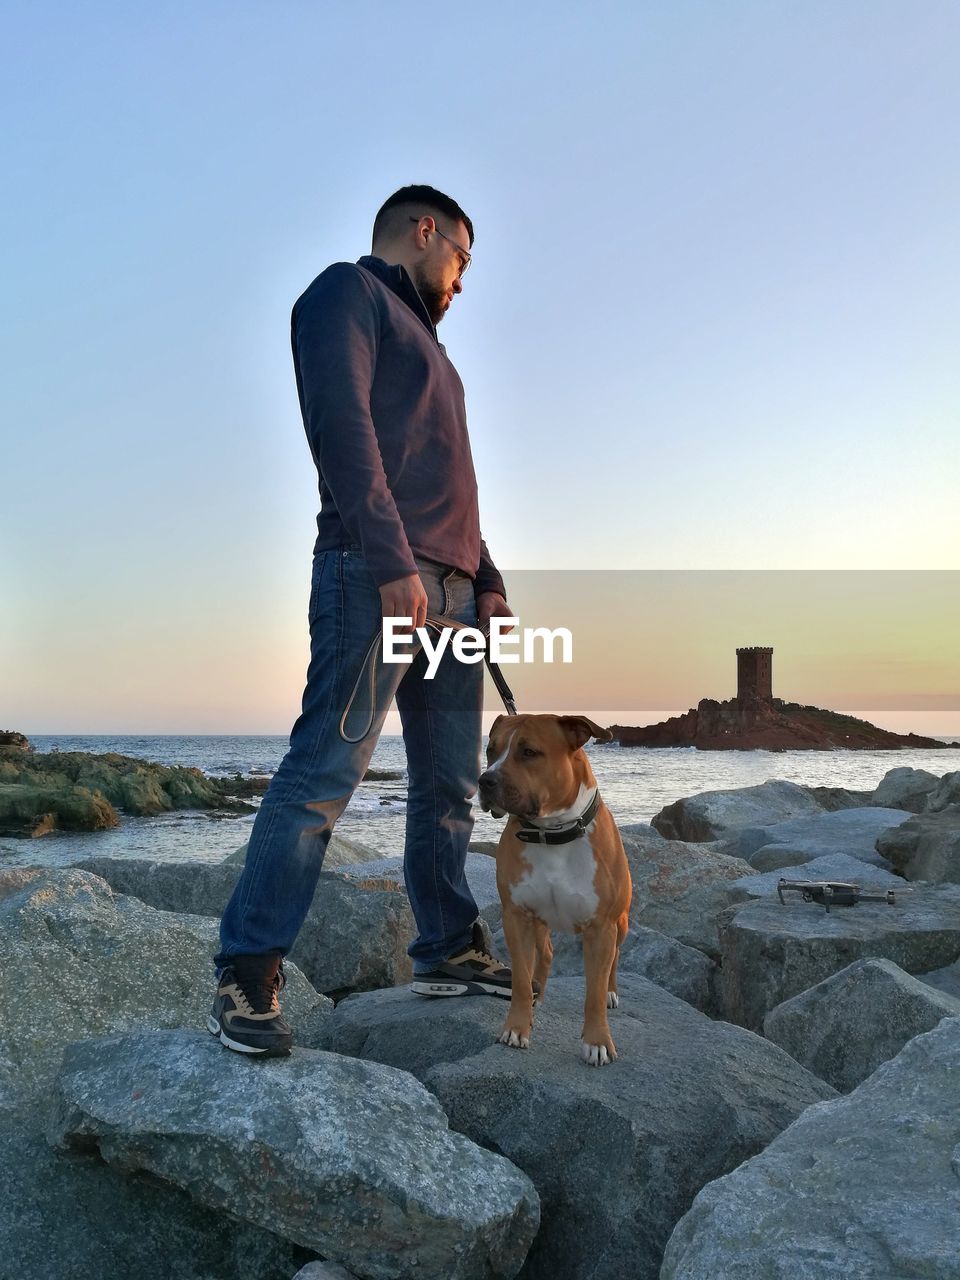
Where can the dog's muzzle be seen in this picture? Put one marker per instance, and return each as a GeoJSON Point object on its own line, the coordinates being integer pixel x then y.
{"type": "Point", "coordinates": [487, 792]}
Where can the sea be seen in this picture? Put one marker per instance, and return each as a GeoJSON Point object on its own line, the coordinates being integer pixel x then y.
{"type": "Point", "coordinates": [636, 782]}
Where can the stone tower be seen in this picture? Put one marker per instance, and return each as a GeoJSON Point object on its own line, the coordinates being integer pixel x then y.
{"type": "Point", "coordinates": [755, 674]}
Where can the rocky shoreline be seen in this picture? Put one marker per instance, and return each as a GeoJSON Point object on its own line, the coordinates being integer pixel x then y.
{"type": "Point", "coordinates": [784, 1103]}
{"type": "Point", "coordinates": [44, 792]}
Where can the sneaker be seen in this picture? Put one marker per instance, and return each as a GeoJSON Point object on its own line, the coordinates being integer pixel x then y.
{"type": "Point", "coordinates": [246, 1013]}
{"type": "Point", "coordinates": [472, 972]}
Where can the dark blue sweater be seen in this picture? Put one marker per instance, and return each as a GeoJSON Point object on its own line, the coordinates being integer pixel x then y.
{"type": "Point", "coordinates": [384, 413]}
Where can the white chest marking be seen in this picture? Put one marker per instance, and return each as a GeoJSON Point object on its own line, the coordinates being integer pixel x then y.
{"type": "Point", "coordinates": [559, 885]}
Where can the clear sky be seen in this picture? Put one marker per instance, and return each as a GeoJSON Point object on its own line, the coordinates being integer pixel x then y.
{"type": "Point", "coordinates": [711, 324]}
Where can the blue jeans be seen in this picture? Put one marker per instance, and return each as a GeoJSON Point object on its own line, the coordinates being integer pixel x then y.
{"type": "Point", "coordinates": [441, 720]}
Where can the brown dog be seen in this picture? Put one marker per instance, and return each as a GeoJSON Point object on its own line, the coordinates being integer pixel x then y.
{"type": "Point", "coordinates": [560, 865]}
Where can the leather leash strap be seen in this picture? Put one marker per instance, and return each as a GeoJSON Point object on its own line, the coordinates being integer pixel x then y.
{"type": "Point", "coordinates": [368, 668]}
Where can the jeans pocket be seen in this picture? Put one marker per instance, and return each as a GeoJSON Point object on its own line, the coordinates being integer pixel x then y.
{"type": "Point", "coordinates": [320, 561]}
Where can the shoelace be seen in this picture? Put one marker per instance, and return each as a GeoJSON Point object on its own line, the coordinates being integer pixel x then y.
{"type": "Point", "coordinates": [255, 994]}
{"type": "Point", "coordinates": [486, 957]}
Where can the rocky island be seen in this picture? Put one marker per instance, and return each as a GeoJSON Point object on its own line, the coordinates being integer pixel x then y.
{"type": "Point", "coordinates": [757, 721]}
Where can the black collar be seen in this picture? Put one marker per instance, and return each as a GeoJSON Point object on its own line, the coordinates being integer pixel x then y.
{"type": "Point", "coordinates": [561, 835]}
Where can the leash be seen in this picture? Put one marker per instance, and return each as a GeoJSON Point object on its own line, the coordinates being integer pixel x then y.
{"type": "Point", "coordinates": [369, 668]}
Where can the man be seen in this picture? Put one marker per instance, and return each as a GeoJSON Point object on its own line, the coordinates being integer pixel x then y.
{"type": "Point", "coordinates": [398, 536]}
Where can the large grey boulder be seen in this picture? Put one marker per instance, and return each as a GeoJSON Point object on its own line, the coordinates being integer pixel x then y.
{"type": "Point", "coordinates": [840, 797]}
{"type": "Point", "coordinates": [713, 815]}
{"type": "Point", "coordinates": [324, 1271]}
{"type": "Point", "coordinates": [65, 1215]}
{"type": "Point", "coordinates": [616, 1154]}
{"type": "Point", "coordinates": [683, 971]}
{"type": "Point", "coordinates": [945, 794]}
{"type": "Point", "coordinates": [351, 1159]}
{"type": "Point", "coordinates": [851, 832]}
{"type": "Point", "coordinates": [88, 961]}
{"type": "Point", "coordinates": [82, 960]}
{"type": "Point", "coordinates": [946, 978]}
{"type": "Point", "coordinates": [866, 1187]}
{"type": "Point", "coordinates": [193, 888]}
{"type": "Point", "coordinates": [354, 938]}
{"type": "Point", "coordinates": [836, 866]}
{"type": "Point", "coordinates": [925, 848]}
{"type": "Point", "coordinates": [480, 871]}
{"type": "Point", "coordinates": [905, 788]}
{"type": "Point", "coordinates": [341, 852]}
{"type": "Point", "coordinates": [772, 951]}
{"type": "Point", "coordinates": [844, 1027]}
{"type": "Point", "coordinates": [413, 1032]}
{"type": "Point", "coordinates": [680, 889]}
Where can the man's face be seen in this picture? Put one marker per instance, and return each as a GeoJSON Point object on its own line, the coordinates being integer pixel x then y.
{"type": "Point", "coordinates": [437, 273]}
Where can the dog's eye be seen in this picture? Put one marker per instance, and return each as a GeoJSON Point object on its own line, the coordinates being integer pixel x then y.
{"type": "Point", "coordinates": [529, 752]}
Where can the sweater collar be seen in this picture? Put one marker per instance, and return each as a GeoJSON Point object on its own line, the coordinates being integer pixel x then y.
{"type": "Point", "coordinates": [397, 278]}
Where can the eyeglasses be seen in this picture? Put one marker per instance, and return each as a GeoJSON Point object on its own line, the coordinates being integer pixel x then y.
{"type": "Point", "coordinates": [465, 257]}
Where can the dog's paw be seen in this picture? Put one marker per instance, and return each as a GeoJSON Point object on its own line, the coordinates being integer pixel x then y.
{"type": "Point", "coordinates": [613, 1000]}
{"type": "Point", "coordinates": [597, 1055]}
{"type": "Point", "coordinates": [514, 1039]}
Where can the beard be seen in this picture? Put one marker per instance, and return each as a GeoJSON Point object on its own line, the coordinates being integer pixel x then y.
{"type": "Point", "coordinates": [434, 298]}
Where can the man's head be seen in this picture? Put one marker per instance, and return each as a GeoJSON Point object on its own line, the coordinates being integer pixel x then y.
{"type": "Point", "coordinates": [429, 234]}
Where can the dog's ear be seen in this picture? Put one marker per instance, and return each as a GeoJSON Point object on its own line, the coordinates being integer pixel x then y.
{"type": "Point", "coordinates": [493, 727]}
{"type": "Point", "coordinates": [580, 729]}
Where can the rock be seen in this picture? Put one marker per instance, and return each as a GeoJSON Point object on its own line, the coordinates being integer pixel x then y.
{"type": "Point", "coordinates": [866, 1187]}
{"type": "Point", "coordinates": [837, 866]}
{"type": "Point", "coordinates": [354, 938]}
{"type": "Point", "coordinates": [69, 1216]}
{"type": "Point", "coordinates": [413, 1032]}
{"type": "Point", "coordinates": [11, 740]}
{"type": "Point", "coordinates": [772, 951]}
{"type": "Point", "coordinates": [926, 847]}
{"type": "Point", "coordinates": [851, 832]}
{"type": "Point", "coordinates": [341, 852]}
{"type": "Point", "coordinates": [617, 1153]}
{"type": "Point", "coordinates": [844, 1027]}
{"type": "Point", "coordinates": [683, 971]}
{"type": "Point", "coordinates": [82, 960]}
{"type": "Point", "coordinates": [945, 794]}
{"type": "Point", "coordinates": [712, 815]}
{"type": "Point", "coordinates": [135, 786]}
{"type": "Point", "coordinates": [905, 788]}
{"type": "Point", "coordinates": [945, 979]}
{"type": "Point", "coordinates": [833, 798]}
{"type": "Point", "coordinates": [194, 888]}
{"type": "Point", "coordinates": [351, 1159]}
{"type": "Point", "coordinates": [681, 889]}
{"type": "Point", "coordinates": [89, 961]}
{"type": "Point", "coordinates": [244, 785]}
{"type": "Point", "coordinates": [27, 810]}
{"type": "Point", "coordinates": [761, 723]}
{"type": "Point", "coordinates": [480, 871]}
{"type": "Point", "coordinates": [324, 1271]}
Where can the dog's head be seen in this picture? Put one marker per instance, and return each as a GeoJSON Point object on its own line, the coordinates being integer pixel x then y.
{"type": "Point", "coordinates": [535, 765]}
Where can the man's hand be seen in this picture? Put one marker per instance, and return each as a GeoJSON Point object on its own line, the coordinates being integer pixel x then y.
{"type": "Point", "coordinates": [405, 598]}
{"type": "Point", "coordinates": [490, 604]}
